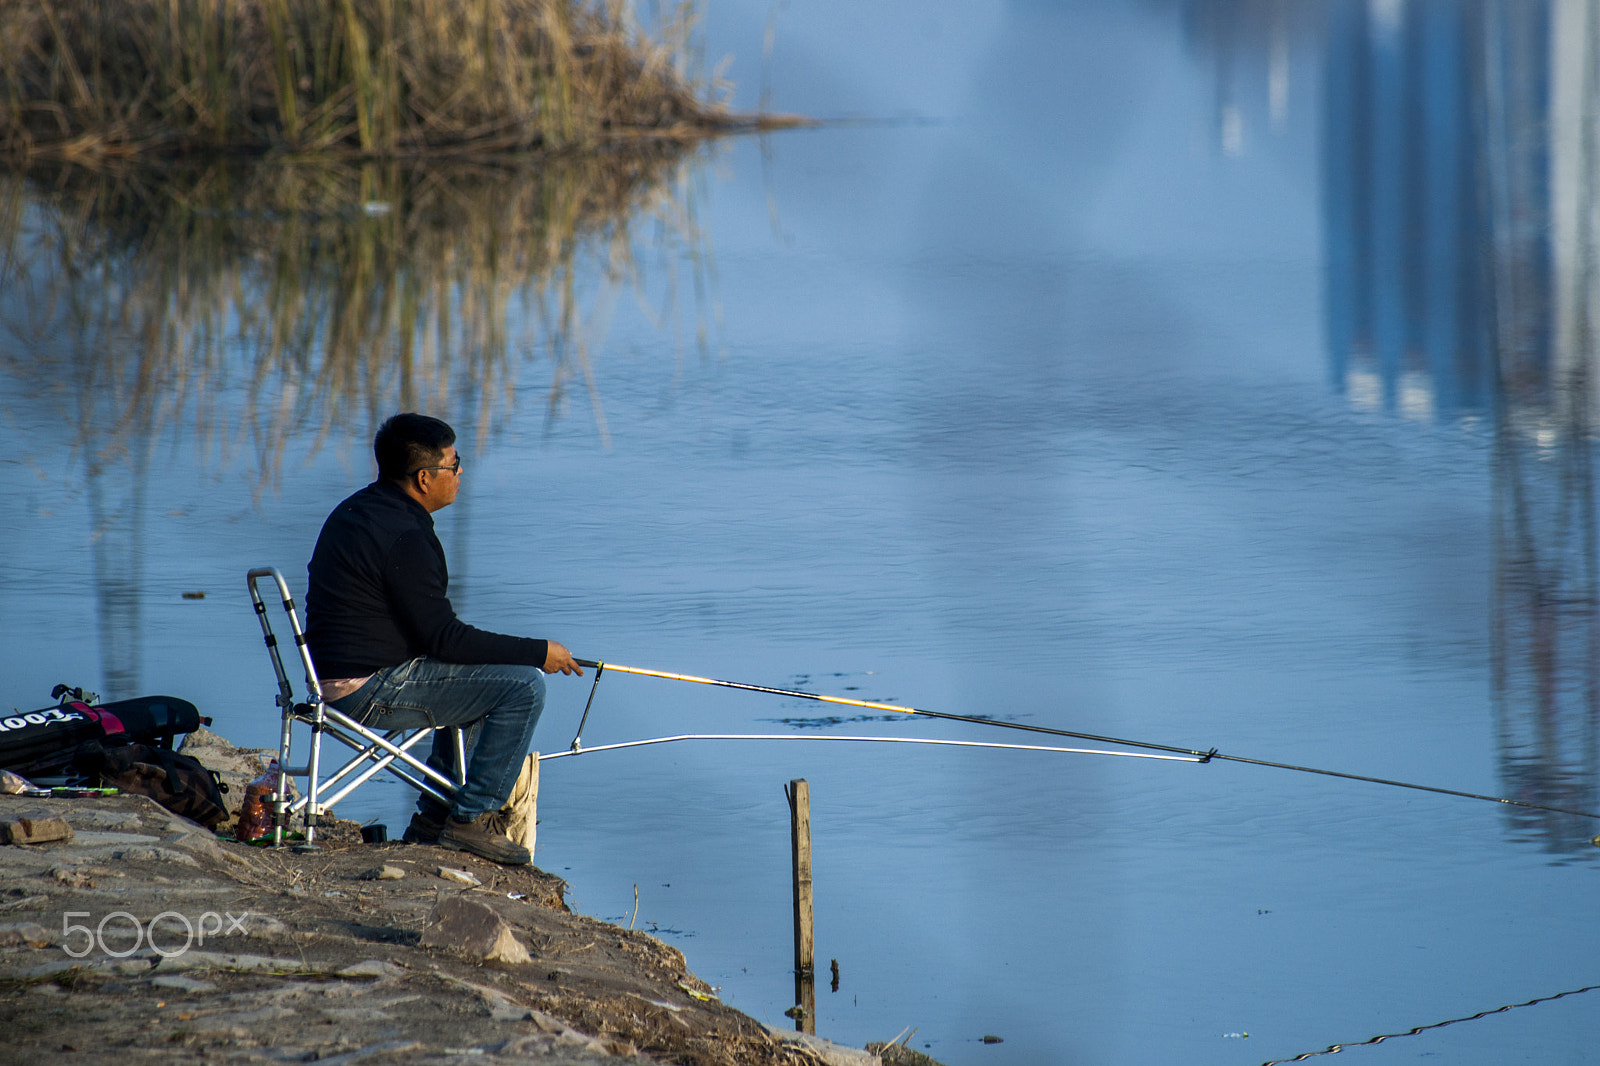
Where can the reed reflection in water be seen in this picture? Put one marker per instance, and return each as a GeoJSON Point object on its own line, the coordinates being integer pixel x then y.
{"type": "Point", "coordinates": [247, 309]}
{"type": "Point", "coordinates": [320, 288]}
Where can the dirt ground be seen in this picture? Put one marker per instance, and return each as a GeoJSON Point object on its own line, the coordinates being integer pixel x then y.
{"type": "Point", "coordinates": [313, 957]}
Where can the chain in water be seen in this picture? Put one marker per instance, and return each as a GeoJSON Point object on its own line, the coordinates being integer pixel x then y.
{"type": "Point", "coordinates": [1334, 1049]}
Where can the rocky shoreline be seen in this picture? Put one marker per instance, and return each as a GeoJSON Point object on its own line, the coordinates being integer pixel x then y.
{"type": "Point", "coordinates": [144, 937]}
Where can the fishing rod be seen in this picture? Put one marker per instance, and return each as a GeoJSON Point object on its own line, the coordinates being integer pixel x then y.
{"type": "Point", "coordinates": [1197, 755]}
{"type": "Point", "coordinates": [576, 750]}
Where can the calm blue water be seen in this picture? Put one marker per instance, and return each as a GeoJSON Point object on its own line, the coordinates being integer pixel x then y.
{"type": "Point", "coordinates": [1211, 374]}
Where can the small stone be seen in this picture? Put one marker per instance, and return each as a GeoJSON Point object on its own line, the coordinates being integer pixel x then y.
{"type": "Point", "coordinates": [383, 873]}
{"type": "Point", "coordinates": [239, 963]}
{"type": "Point", "coordinates": [450, 873]}
{"type": "Point", "coordinates": [510, 1012]}
{"type": "Point", "coordinates": [34, 827]}
{"type": "Point", "coordinates": [165, 856]}
{"type": "Point", "coordinates": [263, 925]}
{"type": "Point", "coordinates": [179, 983]}
{"type": "Point", "coordinates": [24, 934]}
{"type": "Point", "coordinates": [72, 877]}
{"type": "Point", "coordinates": [241, 1024]}
{"type": "Point", "coordinates": [355, 1015]}
{"type": "Point", "coordinates": [114, 839]}
{"type": "Point", "coordinates": [124, 820]}
{"type": "Point", "coordinates": [137, 966]}
{"type": "Point", "coordinates": [474, 929]}
{"type": "Point", "coordinates": [20, 900]}
{"type": "Point", "coordinates": [372, 968]}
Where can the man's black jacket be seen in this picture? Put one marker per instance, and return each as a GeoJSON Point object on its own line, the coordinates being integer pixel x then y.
{"type": "Point", "coordinates": [378, 593]}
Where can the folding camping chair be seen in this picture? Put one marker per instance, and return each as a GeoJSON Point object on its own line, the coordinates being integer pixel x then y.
{"type": "Point", "coordinates": [374, 751]}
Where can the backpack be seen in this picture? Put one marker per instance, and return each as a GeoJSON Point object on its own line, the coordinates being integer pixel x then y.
{"type": "Point", "coordinates": [178, 782]}
{"type": "Point", "coordinates": [43, 741]}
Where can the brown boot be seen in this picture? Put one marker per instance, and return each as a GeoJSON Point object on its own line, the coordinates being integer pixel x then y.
{"type": "Point", "coordinates": [476, 836]}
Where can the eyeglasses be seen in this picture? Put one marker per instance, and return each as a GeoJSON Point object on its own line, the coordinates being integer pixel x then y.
{"type": "Point", "coordinates": [454, 468]}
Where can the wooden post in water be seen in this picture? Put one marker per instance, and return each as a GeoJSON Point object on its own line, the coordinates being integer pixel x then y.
{"type": "Point", "coordinates": [805, 989]}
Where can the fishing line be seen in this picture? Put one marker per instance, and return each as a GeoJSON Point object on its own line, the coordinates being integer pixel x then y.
{"type": "Point", "coordinates": [1197, 755]}
{"type": "Point", "coordinates": [871, 740]}
{"type": "Point", "coordinates": [1334, 1049]}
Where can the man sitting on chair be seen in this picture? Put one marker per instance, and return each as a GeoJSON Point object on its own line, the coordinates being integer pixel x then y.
{"type": "Point", "coordinates": [392, 653]}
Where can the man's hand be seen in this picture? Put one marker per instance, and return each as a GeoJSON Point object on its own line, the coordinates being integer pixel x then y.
{"type": "Point", "coordinates": [559, 658]}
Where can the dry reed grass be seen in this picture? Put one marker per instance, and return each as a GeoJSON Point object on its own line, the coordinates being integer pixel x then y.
{"type": "Point", "coordinates": [381, 78]}
{"type": "Point", "coordinates": [255, 304]}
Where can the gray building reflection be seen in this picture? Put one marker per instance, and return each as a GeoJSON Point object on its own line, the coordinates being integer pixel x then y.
{"type": "Point", "coordinates": [1459, 198]}
{"type": "Point", "coordinates": [1459, 174]}
{"type": "Point", "coordinates": [1410, 308]}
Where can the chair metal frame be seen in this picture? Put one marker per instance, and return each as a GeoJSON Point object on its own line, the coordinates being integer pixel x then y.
{"type": "Point", "coordinates": [374, 751]}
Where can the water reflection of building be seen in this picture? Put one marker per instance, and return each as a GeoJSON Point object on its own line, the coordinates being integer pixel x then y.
{"type": "Point", "coordinates": [1252, 46]}
{"type": "Point", "coordinates": [1407, 208]}
{"type": "Point", "coordinates": [1459, 174]}
{"type": "Point", "coordinates": [1433, 155]}
{"type": "Point", "coordinates": [1460, 206]}
{"type": "Point", "coordinates": [118, 517]}
{"type": "Point", "coordinates": [1547, 640]}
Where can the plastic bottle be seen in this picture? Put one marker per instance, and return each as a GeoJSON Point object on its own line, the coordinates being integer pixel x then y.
{"type": "Point", "coordinates": [255, 813]}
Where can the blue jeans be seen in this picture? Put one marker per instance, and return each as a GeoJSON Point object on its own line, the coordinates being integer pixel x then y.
{"type": "Point", "coordinates": [501, 704]}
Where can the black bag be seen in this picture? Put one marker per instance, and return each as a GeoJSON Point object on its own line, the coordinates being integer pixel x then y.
{"type": "Point", "coordinates": [29, 740]}
{"type": "Point", "coordinates": [178, 782]}
{"type": "Point", "coordinates": [43, 741]}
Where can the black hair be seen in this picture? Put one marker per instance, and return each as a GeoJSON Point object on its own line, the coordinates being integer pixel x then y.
{"type": "Point", "coordinates": [409, 442]}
